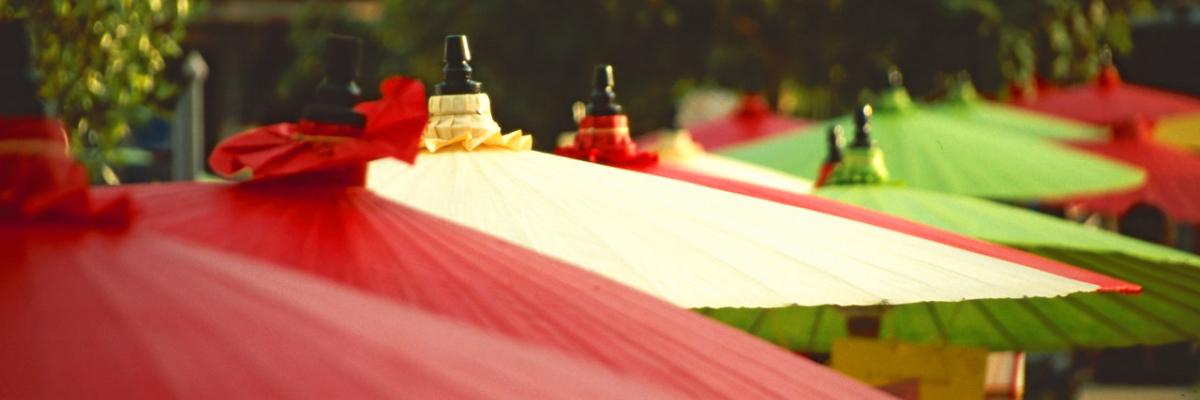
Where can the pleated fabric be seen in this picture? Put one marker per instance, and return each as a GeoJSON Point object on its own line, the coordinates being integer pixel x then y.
{"type": "Point", "coordinates": [696, 246]}
{"type": "Point", "coordinates": [114, 314]}
{"type": "Point", "coordinates": [351, 236]}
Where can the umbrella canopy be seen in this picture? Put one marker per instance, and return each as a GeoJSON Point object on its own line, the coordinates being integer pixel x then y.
{"type": "Point", "coordinates": [443, 268]}
{"type": "Point", "coordinates": [126, 315]}
{"type": "Point", "coordinates": [599, 146]}
{"type": "Point", "coordinates": [1172, 175]}
{"type": "Point", "coordinates": [665, 237]}
{"type": "Point", "coordinates": [750, 120]}
{"type": "Point", "coordinates": [964, 104]}
{"type": "Point", "coordinates": [1165, 312]}
{"type": "Point", "coordinates": [319, 223]}
{"type": "Point", "coordinates": [1108, 100]}
{"type": "Point", "coordinates": [677, 150]}
{"type": "Point", "coordinates": [931, 151]}
{"type": "Point", "coordinates": [813, 328]}
{"type": "Point", "coordinates": [92, 308]}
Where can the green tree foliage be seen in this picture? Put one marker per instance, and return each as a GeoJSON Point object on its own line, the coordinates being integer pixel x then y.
{"type": "Point", "coordinates": [534, 56]}
{"type": "Point", "coordinates": [101, 64]}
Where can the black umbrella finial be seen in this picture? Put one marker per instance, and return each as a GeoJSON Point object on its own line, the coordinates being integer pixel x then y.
{"type": "Point", "coordinates": [338, 92]}
{"type": "Point", "coordinates": [456, 73]}
{"type": "Point", "coordinates": [835, 141]}
{"type": "Point", "coordinates": [862, 127]}
{"type": "Point", "coordinates": [603, 100]}
{"type": "Point", "coordinates": [16, 75]}
{"type": "Point", "coordinates": [894, 77]}
{"type": "Point", "coordinates": [753, 78]}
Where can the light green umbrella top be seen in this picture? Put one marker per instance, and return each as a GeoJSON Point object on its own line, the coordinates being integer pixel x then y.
{"type": "Point", "coordinates": [964, 104]}
{"type": "Point", "coordinates": [932, 151]}
{"type": "Point", "coordinates": [998, 223]}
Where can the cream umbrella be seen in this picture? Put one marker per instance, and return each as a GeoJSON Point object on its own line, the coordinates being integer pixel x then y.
{"type": "Point", "coordinates": [691, 245]}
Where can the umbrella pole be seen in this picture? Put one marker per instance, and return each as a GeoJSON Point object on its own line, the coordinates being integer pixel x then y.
{"type": "Point", "coordinates": [864, 321]}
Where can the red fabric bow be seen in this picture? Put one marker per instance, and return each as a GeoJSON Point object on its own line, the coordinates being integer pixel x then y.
{"type": "Point", "coordinates": [39, 181]}
{"type": "Point", "coordinates": [292, 148]}
{"type": "Point", "coordinates": [605, 140]}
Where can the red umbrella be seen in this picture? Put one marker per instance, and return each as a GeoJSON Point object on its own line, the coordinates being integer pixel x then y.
{"type": "Point", "coordinates": [610, 145]}
{"type": "Point", "coordinates": [1172, 175]}
{"type": "Point", "coordinates": [751, 119]}
{"type": "Point", "coordinates": [92, 309]}
{"type": "Point", "coordinates": [324, 224]}
{"type": "Point", "coordinates": [1108, 100]}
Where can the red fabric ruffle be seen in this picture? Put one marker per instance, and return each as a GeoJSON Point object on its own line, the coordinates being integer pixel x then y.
{"type": "Point", "coordinates": [39, 181]}
{"type": "Point", "coordinates": [310, 147]}
{"type": "Point", "coordinates": [605, 140]}
{"type": "Point", "coordinates": [401, 106]}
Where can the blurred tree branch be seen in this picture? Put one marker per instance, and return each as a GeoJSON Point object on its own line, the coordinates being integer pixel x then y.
{"type": "Point", "coordinates": [101, 64]}
{"type": "Point", "coordinates": [534, 55]}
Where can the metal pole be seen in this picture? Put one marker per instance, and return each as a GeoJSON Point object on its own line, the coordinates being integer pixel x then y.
{"type": "Point", "coordinates": [187, 142]}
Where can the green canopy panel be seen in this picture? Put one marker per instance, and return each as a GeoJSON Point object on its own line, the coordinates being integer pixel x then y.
{"type": "Point", "coordinates": [999, 223]}
{"type": "Point", "coordinates": [964, 104]}
{"type": "Point", "coordinates": [1168, 310]}
{"type": "Point", "coordinates": [1018, 122]}
{"type": "Point", "coordinates": [932, 151]}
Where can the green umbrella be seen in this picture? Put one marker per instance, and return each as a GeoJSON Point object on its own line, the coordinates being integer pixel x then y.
{"type": "Point", "coordinates": [930, 150]}
{"type": "Point", "coordinates": [1167, 311]}
{"type": "Point", "coordinates": [964, 104]}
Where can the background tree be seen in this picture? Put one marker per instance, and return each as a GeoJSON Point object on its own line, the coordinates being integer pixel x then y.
{"type": "Point", "coordinates": [534, 56]}
{"type": "Point", "coordinates": [102, 64]}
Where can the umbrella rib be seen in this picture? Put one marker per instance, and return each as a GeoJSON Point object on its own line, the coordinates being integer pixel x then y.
{"type": "Point", "coordinates": [758, 320]}
{"type": "Point", "coordinates": [1107, 322]}
{"type": "Point", "coordinates": [1143, 312]}
{"type": "Point", "coordinates": [812, 332]}
{"type": "Point", "coordinates": [1046, 321]}
{"type": "Point", "coordinates": [628, 265]}
{"type": "Point", "coordinates": [937, 321]}
{"type": "Point", "coordinates": [1137, 273]}
{"type": "Point", "coordinates": [991, 318]}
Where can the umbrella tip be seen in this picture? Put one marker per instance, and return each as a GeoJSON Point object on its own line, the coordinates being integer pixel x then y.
{"type": "Point", "coordinates": [894, 77]}
{"type": "Point", "coordinates": [338, 92]}
{"type": "Point", "coordinates": [16, 74]}
{"type": "Point", "coordinates": [862, 127]}
{"type": "Point", "coordinates": [961, 88]}
{"type": "Point", "coordinates": [603, 100]}
{"type": "Point", "coordinates": [456, 73]}
{"type": "Point", "coordinates": [964, 77]}
{"type": "Point", "coordinates": [1106, 56]}
{"type": "Point", "coordinates": [835, 141]}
